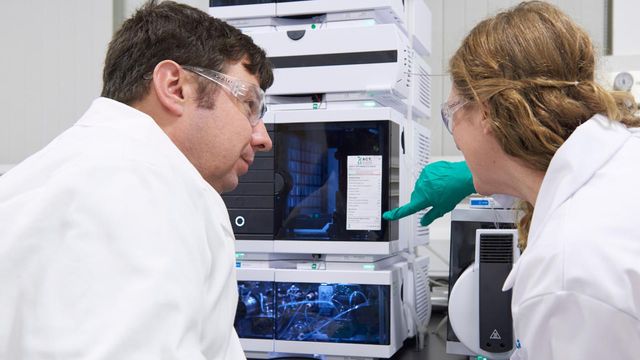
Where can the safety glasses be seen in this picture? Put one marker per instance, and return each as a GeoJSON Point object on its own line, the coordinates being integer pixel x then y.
{"type": "Point", "coordinates": [250, 96]}
{"type": "Point", "coordinates": [447, 110]}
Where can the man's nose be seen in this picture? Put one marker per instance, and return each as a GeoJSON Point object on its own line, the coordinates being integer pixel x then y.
{"type": "Point", "coordinates": [260, 139]}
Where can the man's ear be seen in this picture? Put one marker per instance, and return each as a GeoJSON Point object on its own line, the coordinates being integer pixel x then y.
{"type": "Point", "coordinates": [168, 82]}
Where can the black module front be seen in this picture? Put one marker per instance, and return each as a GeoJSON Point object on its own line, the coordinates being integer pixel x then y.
{"type": "Point", "coordinates": [300, 190]}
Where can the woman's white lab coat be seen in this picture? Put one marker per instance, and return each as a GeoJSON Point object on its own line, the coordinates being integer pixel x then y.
{"type": "Point", "coordinates": [112, 246]}
{"type": "Point", "coordinates": [576, 288]}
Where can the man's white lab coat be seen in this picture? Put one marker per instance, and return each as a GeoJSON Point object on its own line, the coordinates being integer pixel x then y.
{"type": "Point", "coordinates": [112, 246]}
{"type": "Point", "coordinates": [576, 288]}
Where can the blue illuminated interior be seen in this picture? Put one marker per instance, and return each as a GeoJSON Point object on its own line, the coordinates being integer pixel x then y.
{"type": "Point", "coordinates": [312, 160]}
{"type": "Point", "coordinates": [338, 313]}
{"type": "Point", "coordinates": [255, 313]}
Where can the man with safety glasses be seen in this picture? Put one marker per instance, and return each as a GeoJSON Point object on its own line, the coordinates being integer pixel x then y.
{"type": "Point", "coordinates": [114, 240]}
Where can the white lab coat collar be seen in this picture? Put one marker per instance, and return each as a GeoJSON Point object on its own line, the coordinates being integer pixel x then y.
{"type": "Point", "coordinates": [109, 113]}
{"type": "Point", "coordinates": [113, 114]}
{"type": "Point", "coordinates": [590, 146]}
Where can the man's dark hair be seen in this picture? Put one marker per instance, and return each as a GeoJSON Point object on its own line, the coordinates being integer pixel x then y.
{"type": "Point", "coordinates": [178, 32]}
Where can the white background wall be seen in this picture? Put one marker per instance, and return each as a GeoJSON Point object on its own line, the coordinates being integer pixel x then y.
{"type": "Point", "coordinates": [625, 27]}
{"type": "Point", "coordinates": [52, 56]}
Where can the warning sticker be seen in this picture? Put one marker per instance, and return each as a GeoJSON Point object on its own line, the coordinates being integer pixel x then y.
{"type": "Point", "coordinates": [495, 335]}
{"type": "Point", "coordinates": [364, 192]}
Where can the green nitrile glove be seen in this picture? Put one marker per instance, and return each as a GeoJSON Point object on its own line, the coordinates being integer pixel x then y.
{"type": "Point", "coordinates": [441, 185]}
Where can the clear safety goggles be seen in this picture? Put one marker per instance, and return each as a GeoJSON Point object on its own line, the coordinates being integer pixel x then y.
{"type": "Point", "coordinates": [447, 110]}
{"type": "Point", "coordinates": [251, 96]}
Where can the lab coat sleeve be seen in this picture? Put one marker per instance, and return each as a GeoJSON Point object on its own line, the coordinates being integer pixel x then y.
{"type": "Point", "coordinates": [126, 280]}
{"type": "Point", "coordinates": [568, 325]}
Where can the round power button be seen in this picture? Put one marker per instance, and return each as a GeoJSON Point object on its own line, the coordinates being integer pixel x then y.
{"type": "Point", "coordinates": [239, 221]}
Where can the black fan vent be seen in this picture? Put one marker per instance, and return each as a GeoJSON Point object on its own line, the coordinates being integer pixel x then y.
{"type": "Point", "coordinates": [496, 248]}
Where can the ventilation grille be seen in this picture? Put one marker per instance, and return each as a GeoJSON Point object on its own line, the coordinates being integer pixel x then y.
{"type": "Point", "coordinates": [496, 248]}
{"type": "Point", "coordinates": [421, 231]}
{"type": "Point", "coordinates": [424, 86]}
{"type": "Point", "coordinates": [422, 151]}
{"type": "Point", "coordinates": [409, 67]}
{"type": "Point", "coordinates": [423, 292]}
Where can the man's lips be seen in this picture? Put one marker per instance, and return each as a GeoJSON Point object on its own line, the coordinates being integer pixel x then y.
{"type": "Point", "coordinates": [249, 161]}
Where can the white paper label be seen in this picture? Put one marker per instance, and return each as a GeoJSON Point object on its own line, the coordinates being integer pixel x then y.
{"type": "Point", "coordinates": [364, 192]}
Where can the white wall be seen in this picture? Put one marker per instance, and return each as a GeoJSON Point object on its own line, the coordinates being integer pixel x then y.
{"type": "Point", "coordinates": [51, 63]}
{"type": "Point", "coordinates": [624, 27]}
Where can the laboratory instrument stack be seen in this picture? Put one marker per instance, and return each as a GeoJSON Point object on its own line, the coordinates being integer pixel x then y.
{"type": "Point", "coordinates": [320, 273]}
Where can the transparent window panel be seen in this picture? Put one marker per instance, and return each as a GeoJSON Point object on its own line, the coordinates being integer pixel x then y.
{"type": "Point", "coordinates": [338, 313]}
{"type": "Point", "coordinates": [312, 166]}
{"type": "Point", "coordinates": [255, 313]}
